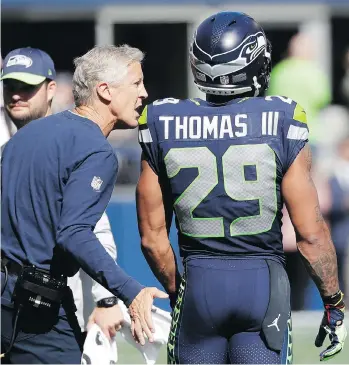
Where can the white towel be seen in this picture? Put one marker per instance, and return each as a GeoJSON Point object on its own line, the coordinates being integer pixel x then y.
{"type": "Point", "coordinates": [99, 350]}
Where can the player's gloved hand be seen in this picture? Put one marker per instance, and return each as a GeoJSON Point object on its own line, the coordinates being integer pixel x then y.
{"type": "Point", "coordinates": [332, 324]}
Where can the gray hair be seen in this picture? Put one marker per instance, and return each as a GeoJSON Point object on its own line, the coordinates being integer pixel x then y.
{"type": "Point", "coordinates": [101, 63]}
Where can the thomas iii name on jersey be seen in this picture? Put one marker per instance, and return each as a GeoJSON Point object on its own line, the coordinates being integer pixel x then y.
{"type": "Point", "coordinates": [211, 127]}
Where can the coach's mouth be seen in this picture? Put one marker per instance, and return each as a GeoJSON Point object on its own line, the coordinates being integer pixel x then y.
{"type": "Point", "coordinates": [139, 110]}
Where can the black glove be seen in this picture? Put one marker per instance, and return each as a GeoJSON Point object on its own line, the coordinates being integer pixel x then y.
{"type": "Point", "coordinates": [332, 324]}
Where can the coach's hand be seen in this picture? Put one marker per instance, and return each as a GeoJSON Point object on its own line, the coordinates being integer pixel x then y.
{"type": "Point", "coordinates": [141, 314]}
{"type": "Point", "coordinates": [109, 320]}
{"type": "Point", "coordinates": [332, 324]}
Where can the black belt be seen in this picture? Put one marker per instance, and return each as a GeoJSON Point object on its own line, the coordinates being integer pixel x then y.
{"type": "Point", "coordinates": [13, 267]}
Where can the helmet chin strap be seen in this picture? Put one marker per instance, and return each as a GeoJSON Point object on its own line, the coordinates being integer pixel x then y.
{"type": "Point", "coordinates": [256, 85]}
{"type": "Point", "coordinates": [226, 91]}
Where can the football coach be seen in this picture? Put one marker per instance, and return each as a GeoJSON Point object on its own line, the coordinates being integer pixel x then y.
{"type": "Point", "coordinates": [57, 176]}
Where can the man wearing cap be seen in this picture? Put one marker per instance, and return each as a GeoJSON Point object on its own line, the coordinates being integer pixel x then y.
{"type": "Point", "coordinates": [28, 79]}
{"type": "Point", "coordinates": [57, 177]}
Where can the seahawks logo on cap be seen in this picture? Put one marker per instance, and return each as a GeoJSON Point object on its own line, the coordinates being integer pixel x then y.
{"type": "Point", "coordinates": [19, 60]}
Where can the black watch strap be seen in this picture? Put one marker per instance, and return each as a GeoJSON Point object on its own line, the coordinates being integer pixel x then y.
{"type": "Point", "coordinates": [107, 302]}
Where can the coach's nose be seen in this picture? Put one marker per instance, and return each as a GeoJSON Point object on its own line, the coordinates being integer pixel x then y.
{"type": "Point", "coordinates": [143, 94]}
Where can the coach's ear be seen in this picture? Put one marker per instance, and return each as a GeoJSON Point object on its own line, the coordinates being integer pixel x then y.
{"type": "Point", "coordinates": [104, 92]}
{"type": "Point", "coordinates": [51, 91]}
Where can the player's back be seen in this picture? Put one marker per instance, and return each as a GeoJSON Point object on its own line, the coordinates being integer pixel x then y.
{"type": "Point", "coordinates": [223, 166]}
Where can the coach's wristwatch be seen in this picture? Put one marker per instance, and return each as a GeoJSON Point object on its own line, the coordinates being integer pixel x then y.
{"type": "Point", "coordinates": [107, 302]}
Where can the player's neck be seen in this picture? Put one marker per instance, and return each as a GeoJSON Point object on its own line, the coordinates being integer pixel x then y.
{"type": "Point", "coordinates": [219, 99]}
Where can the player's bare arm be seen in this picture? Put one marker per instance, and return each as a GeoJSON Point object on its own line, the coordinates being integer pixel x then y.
{"type": "Point", "coordinates": [313, 237]}
{"type": "Point", "coordinates": [316, 248]}
{"type": "Point", "coordinates": [154, 220]}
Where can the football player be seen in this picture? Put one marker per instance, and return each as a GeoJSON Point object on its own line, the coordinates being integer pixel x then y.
{"type": "Point", "coordinates": [225, 166]}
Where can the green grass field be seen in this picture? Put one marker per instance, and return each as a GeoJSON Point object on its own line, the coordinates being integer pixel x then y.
{"type": "Point", "coordinates": [305, 327]}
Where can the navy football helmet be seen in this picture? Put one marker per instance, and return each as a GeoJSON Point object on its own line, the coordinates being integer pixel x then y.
{"type": "Point", "coordinates": [230, 55]}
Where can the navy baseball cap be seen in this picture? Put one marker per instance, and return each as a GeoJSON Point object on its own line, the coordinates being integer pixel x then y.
{"type": "Point", "coordinates": [29, 65]}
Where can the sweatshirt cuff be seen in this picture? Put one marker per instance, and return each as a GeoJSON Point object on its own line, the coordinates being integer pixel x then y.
{"type": "Point", "coordinates": [129, 291]}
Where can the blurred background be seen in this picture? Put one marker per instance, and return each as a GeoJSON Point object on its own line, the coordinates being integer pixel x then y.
{"type": "Point", "coordinates": [310, 56]}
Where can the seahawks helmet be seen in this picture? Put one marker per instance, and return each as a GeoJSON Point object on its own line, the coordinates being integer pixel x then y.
{"type": "Point", "coordinates": [230, 55]}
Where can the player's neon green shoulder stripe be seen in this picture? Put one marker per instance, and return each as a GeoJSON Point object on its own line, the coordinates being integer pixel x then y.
{"type": "Point", "coordinates": [195, 101]}
{"type": "Point", "coordinates": [299, 114]}
{"type": "Point", "coordinates": [143, 118]}
{"type": "Point", "coordinates": [243, 99]}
